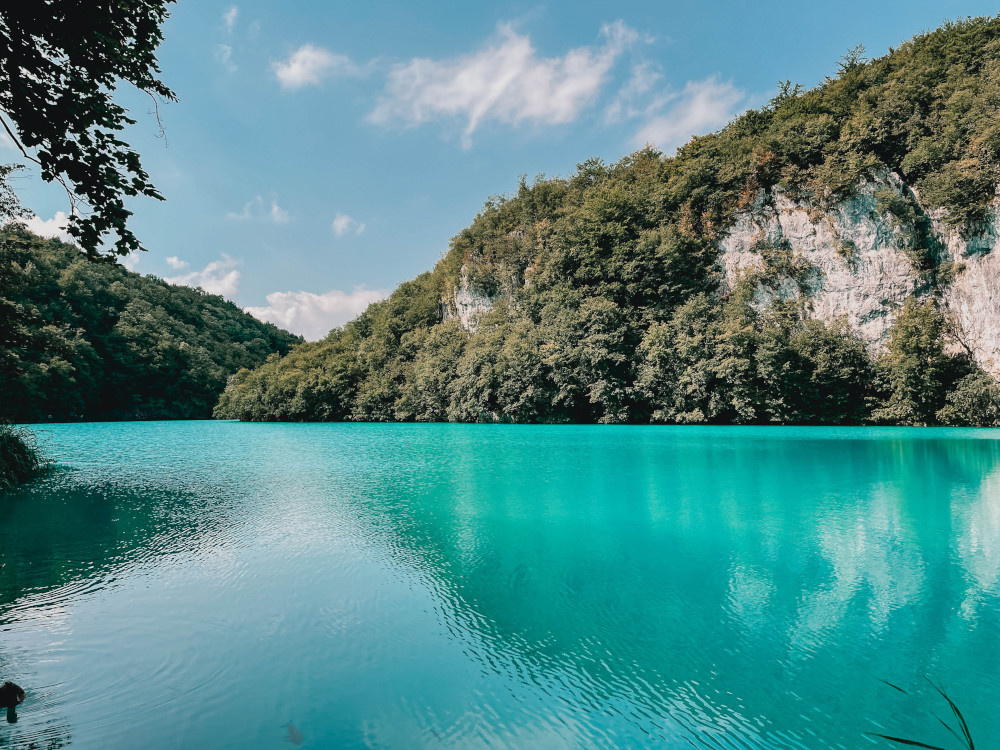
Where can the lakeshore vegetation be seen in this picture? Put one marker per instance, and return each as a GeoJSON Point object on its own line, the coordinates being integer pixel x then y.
{"type": "Point", "coordinates": [607, 303]}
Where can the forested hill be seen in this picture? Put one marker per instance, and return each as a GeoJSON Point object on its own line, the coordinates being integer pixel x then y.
{"type": "Point", "coordinates": [83, 339]}
{"type": "Point", "coordinates": [828, 258]}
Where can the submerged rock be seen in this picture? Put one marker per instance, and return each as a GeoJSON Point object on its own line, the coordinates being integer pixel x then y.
{"type": "Point", "coordinates": [294, 735]}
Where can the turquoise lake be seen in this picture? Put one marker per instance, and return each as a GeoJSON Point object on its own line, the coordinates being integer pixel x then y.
{"type": "Point", "coordinates": [201, 584]}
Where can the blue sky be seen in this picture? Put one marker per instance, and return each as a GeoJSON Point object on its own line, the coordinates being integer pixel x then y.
{"type": "Point", "coordinates": [322, 153]}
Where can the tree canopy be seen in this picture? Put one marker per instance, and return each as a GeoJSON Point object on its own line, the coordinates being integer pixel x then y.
{"type": "Point", "coordinates": [89, 340]}
{"type": "Point", "coordinates": [60, 63]}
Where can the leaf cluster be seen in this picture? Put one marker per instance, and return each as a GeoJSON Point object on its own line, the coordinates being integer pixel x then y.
{"type": "Point", "coordinates": [60, 63]}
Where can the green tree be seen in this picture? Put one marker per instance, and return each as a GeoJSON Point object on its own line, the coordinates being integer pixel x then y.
{"type": "Point", "coordinates": [916, 373]}
{"type": "Point", "coordinates": [975, 402]}
{"type": "Point", "coordinates": [604, 286]}
{"type": "Point", "coordinates": [86, 340]}
{"type": "Point", "coordinates": [60, 62]}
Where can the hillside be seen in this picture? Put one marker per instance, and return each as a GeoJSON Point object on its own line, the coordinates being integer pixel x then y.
{"type": "Point", "coordinates": [84, 339]}
{"type": "Point", "coordinates": [829, 258]}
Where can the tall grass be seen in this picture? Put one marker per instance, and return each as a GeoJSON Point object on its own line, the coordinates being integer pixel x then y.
{"type": "Point", "coordinates": [20, 457]}
{"type": "Point", "coordinates": [960, 731]}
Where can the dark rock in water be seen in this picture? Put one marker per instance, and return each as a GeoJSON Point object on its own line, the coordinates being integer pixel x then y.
{"type": "Point", "coordinates": [294, 735]}
{"type": "Point", "coordinates": [10, 695]}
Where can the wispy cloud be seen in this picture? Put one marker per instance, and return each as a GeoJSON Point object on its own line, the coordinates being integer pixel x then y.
{"type": "Point", "coordinates": [342, 224]}
{"type": "Point", "coordinates": [313, 315]}
{"type": "Point", "coordinates": [259, 209]}
{"type": "Point", "coordinates": [505, 81]}
{"type": "Point", "coordinates": [311, 65]}
{"type": "Point", "coordinates": [671, 119]}
{"type": "Point", "coordinates": [218, 277]}
{"type": "Point", "coordinates": [176, 263]}
{"type": "Point", "coordinates": [224, 54]}
{"type": "Point", "coordinates": [638, 96]}
{"type": "Point", "coordinates": [230, 16]}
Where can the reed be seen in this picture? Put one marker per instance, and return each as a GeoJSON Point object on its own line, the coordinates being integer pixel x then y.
{"type": "Point", "coordinates": [960, 731]}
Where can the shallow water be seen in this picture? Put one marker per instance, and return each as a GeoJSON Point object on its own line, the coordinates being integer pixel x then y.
{"type": "Point", "coordinates": [201, 584]}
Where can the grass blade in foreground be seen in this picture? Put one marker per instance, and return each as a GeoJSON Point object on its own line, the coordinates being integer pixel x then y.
{"type": "Point", "coordinates": [965, 738]}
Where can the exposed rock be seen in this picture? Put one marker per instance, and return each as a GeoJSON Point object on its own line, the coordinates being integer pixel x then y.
{"type": "Point", "coordinates": [861, 269]}
{"type": "Point", "coordinates": [466, 303]}
{"type": "Point", "coordinates": [974, 296]}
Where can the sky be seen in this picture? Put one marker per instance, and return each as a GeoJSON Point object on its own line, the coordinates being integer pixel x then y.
{"type": "Point", "coordinates": [322, 153]}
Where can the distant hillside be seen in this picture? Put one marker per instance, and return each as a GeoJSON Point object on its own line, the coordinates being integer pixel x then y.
{"type": "Point", "coordinates": [829, 258]}
{"type": "Point", "coordinates": [90, 340]}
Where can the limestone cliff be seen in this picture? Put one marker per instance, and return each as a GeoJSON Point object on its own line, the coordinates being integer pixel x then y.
{"type": "Point", "coordinates": [860, 263]}
{"type": "Point", "coordinates": [465, 302]}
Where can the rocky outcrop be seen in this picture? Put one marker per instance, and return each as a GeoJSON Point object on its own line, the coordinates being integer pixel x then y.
{"type": "Point", "coordinates": [974, 296]}
{"type": "Point", "coordinates": [466, 303]}
{"type": "Point", "coordinates": [859, 263]}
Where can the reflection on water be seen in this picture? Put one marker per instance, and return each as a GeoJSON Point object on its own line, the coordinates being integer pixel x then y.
{"type": "Point", "coordinates": [473, 586]}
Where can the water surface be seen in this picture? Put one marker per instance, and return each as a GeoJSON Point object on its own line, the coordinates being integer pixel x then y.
{"type": "Point", "coordinates": [200, 584]}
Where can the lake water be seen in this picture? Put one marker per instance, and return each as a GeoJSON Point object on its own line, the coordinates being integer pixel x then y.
{"type": "Point", "coordinates": [201, 584]}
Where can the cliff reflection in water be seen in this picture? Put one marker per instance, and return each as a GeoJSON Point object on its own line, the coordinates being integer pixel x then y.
{"type": "Point", "coordinates": [752, 587]}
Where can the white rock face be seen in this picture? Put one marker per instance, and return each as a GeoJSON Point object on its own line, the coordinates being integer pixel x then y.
{"type": "Point", "coordinates": [466, 304]}
{"type": "Point", "coordinates": [865, 283]}
{"type": "Point", "coordinates": [974, 296]}
{"type": "Point", "coordinates": [869, 281]}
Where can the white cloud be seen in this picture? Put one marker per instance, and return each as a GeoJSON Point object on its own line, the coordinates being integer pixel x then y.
{"type": "Point", "coordinates": [224, 54]}
{"type": "Point", "coordinates": [701, 107]}
{"type": "Point", "coordinates": [176, 263]}
{"type": "Point", "coordinates": [54, 227]}
{"type": "Point", "coordinates": [313, 315]}
{"type": "Point", "coordinates": [218, 277]}
{"type": "Point", "coordinates": [5, 141]}
{"type": "Point", "coordinates": [230, 16]}
{"type": "Point", "coordinates": [637, 96]}
{"type": "Point", "coordinates": [342, 224]}
{"type": "Point", "coordinates": [310, 65]}
{"type": "Point", "coordinates": [130, 261]}
{"type": "Point", "coordinates": [258, 209]}
{"type": "Point", "coordinates": [506, 81]}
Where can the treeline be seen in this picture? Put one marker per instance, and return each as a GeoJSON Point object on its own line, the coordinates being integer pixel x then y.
{"type": "Point", "coordinates": [84, 339]}
{"type": "Point", "coordinates": [707, 363]}
{"type": "Point", "coordinates": [608, 303]}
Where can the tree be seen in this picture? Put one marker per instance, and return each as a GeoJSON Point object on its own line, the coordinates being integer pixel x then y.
{"type": "Point", "coordinates": [916, 372]}
{"type": "Point", "coordinates": [975, 402]}
{"type": "Point", "coordinates": [60, 63]}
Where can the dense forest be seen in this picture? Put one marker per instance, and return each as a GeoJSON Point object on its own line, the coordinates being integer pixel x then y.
{"type": "Point", "coordinates": [608, 306]}
{"type": "Point", "coordinates": [87, 339]}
